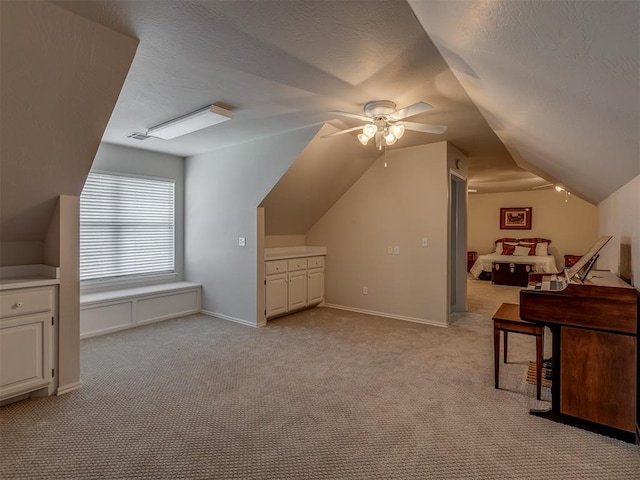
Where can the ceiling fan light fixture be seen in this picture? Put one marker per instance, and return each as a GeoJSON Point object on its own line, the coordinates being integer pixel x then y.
{"type": "Point", "coordinates": [390, 138]}
{"type": "Point", "coordinates": [363, 139]}
{"type": "Point", "coordinates": [369, 130]}
{"type": "Point", "coordinates": [397, 131]}
{"type": "Point", "coordinates": [381, 122]}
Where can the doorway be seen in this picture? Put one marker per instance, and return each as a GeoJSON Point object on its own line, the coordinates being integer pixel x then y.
{"type": "Point", "coordinates": [457, 243]}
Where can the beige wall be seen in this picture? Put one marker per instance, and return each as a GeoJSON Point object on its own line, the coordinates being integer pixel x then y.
{"type": "Point", "coordinates": [572, 226]}
{"type": "Point", "coordinates": [619, 215]}
{"type": "Point", "coordinates": [20, 253]}
{"type": "Point", "coordinates": [284, 241]}
{"type": "Point", "coordinates": [397, 205]}
{"type": "Point", "coordinates": [62, 249]}
{"type": "Point", "coordinates": [319, 176]}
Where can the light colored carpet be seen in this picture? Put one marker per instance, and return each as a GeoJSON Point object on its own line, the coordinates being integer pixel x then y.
{"type": "Point", "coordinates": [322, 394]}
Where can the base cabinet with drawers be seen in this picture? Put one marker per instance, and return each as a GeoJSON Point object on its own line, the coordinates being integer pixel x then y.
{"type": "Point", "coordinates": [27, 319]}
{"type": "Point", "coordinates": [293, 284]}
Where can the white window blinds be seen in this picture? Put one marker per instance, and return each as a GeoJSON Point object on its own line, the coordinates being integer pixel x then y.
{"type": "Point", "coordinates": [126, 227]}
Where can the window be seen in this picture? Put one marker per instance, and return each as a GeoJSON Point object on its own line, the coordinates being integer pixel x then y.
{"type": "Point", "coordinates": [126, 227]}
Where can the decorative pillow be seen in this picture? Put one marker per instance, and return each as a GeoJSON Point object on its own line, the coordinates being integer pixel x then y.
{"type": "Point", "coordinates": [530, 246]}
{"type": "Point", "coordinates": [508, 249]}
{"type": "Point", "coordinates": [542, 249]}
{"type": "Point", "coordinates": [521, 250]}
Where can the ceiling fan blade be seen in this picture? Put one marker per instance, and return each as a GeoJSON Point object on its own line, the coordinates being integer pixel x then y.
{"type": "Point", "coordinates": [542, 186]}
{"type": "Point", "coordinates": [351, 115]}
{"type": "Point", "coordinates": [423, 127]}
{"type": "Point", "coordinates": [342, 131]}
{"type": "Point", "coordinates": [410, 111]}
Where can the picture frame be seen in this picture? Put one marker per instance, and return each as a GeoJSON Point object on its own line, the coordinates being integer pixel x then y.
{"type": "Point", "coordinates": [515, 218]}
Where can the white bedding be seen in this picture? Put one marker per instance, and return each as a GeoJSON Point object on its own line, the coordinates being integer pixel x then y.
{"type": "Point", "coordinates": [543, 264]}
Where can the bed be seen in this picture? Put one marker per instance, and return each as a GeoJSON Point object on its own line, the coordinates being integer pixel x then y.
{"type": "Point", "coordinates": [533, 251]}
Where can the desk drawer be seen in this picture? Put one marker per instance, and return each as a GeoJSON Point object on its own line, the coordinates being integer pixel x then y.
{"type": "Point", "coordinates": [25, 301]}
{"type": "Point", "coordinates": [275, 266]}
{"type": "Point", "coordinates": [296, 264]}
{"type": "Point", "coordinates": [315, 262]}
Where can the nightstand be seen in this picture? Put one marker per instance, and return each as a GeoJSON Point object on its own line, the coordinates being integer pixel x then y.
{"type": "Point", "coordinates": [471, 259]}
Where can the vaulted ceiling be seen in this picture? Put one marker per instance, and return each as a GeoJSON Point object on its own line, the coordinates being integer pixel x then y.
{"type": "Point", "coordinates": [527, 89]}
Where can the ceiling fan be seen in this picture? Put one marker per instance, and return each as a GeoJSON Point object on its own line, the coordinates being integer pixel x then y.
{"type": "Point", "coordinates": [386, 124]}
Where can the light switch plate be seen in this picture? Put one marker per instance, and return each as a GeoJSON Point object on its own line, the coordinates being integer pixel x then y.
{"type": "Point", "coordinates": [396, 250]}
{"type": "Point", "coordinates": [425, 242]}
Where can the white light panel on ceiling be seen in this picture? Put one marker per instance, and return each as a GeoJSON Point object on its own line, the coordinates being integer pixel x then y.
{"type": "Point", "coordinates": [191, 122]}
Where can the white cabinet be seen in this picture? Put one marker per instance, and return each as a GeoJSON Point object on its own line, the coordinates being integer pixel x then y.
{"type": "Point", "coordinates": [26, 340]}
{"type": "Point", "coordinates": [315, 286]}
{"type": "Point", "coordinates": [297, 290]}
{"type": "Point", "coordinates": [293, 284]}
{"type": "Point", "coordinates": [276, 288]}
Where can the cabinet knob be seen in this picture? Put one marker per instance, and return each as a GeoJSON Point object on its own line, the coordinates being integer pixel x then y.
{"type": "Point", "coordinates": [18, 305]}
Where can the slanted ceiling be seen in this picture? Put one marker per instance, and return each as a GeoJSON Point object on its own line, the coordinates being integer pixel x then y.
{"type": "Point", "coordinates": [558, 82]}
{"type": "Point", "coordinates": [320, 175]}
{"type": "Point", "coordinates": [60, 79]}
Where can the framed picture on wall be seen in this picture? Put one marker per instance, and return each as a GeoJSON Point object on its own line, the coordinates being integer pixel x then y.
{"type": "Point", "coordinates": [515, 218]}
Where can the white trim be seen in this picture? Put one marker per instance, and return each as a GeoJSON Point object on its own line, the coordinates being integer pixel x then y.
{"type": "Point", "coordinates": [69, 388]}
{"type": "Point", "coordinates": [456, 174]}
{"type": "Point", "coordinates": [231, 319]}
{"type": "Point", "coordinates": [386, 315]}
{"type": "Point", "coordinates": [104, 331]}
{"type": "Point", "coordinates": [149, 291]}
{"type": "Point", "coordinates": [95, 317]}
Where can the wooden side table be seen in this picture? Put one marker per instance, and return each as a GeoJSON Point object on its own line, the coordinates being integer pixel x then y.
{"type": "Point", "coordinates": [471, 259]}
{"type": "Point", "coordinates": [507, 319]}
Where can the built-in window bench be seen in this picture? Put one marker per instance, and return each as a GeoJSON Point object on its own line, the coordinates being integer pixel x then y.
{"type": "Point", "coordinates": [106, 312]}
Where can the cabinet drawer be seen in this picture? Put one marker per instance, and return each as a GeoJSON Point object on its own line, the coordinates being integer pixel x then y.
{"type": "Point", "coordinates": [275, 266]}
{"type": "Point", "coordinates": [315, 262]}
{"type": "Point", "coordinates": [296, 264]}
{"type": "Point", "coordinates": [25, 301]}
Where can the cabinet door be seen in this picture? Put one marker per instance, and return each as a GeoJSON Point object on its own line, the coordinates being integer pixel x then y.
{"type": "Point", "coordinates": [315, 290]}
{"type": "Point", "coordinates": [297, 290]}
{"type": "Point", "coordinates": [276, 294]}
{"type": "Point", "coordinates": [24, 354]}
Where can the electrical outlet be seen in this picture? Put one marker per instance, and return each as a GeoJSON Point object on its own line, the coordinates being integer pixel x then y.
{"type": "Point", "coordinates": [390, 249]}
{"type": "Point", "coordinates": [396, 250]}
{"type": "Point", "coordinates": [365, 290]}
{"type": "Point", "coordinates": [425, 242]}
{"type": "Point", "coordinates": [242, 241]}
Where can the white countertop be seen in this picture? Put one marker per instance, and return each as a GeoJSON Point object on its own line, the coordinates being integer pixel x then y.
{"type": "Point", "coordinates": [280, 253]}
{"type": "Point", "coordinates": [24, 276]}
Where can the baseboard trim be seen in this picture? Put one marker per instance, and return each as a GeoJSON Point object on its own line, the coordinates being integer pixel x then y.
{"type": "Point", "coordinates": [229, 318]}
{"type": "Point", "coordinates": [386, 315]}
{"type": "Point", "coordinates": [127, 326]}
{"type": "Point", "coordinates": [69, 388]}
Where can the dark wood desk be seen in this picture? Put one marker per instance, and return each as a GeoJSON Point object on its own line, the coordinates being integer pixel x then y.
{"type": "Point", "coordinates": [595, 361]}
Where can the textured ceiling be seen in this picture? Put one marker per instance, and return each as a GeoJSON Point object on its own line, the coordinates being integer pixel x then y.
{"type": "Point", "coordinates": [282, 65]}
{"type": "Point", "coordinates": [556, 83]}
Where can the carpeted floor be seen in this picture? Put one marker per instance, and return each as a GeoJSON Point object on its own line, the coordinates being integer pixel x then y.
{"type": "Point", "coordinates": [322, 394]}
